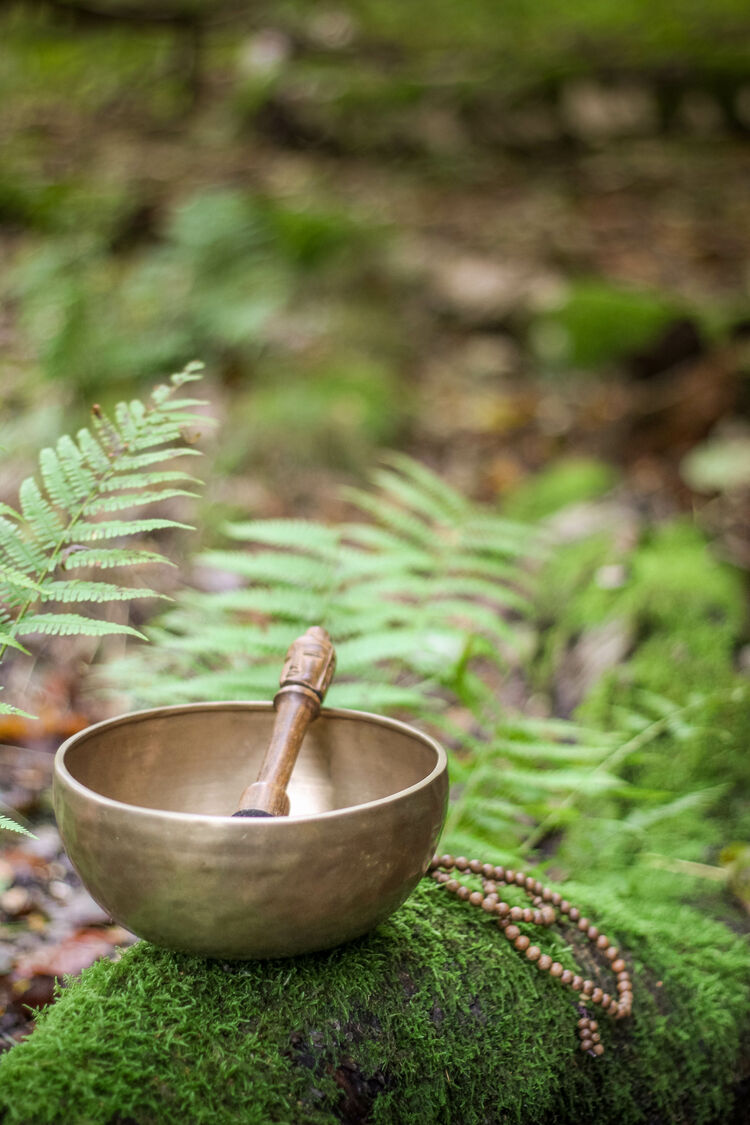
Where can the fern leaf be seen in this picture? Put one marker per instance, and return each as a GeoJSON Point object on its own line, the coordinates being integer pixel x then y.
{"type": "Point", "coordinates": [11, 826]}
{"type": "Point", "coordinates": [19, 553]}
{"type": "Point", "coordinates": [280, 567]}
{"type": "Point", "coordinates": [116, 502]}
{"type": "Point", "coordinates": [70, 624]}
{"type": "Point", "coordinates": [78, 591]}
{"type": "Point", "coordinates": [407, 525]}
{"type": "Point", "coordinates": [283, 603]}
{"type": "Point", "coordinates": [147, 480]}
{"type": "Point", "coordinates": [92, 451]}
{"type": "Point", "coordinates": [231, 639]}
{"type": "Point", "coordinates": [104, 558]}
{"type": "Point", "coordinates": [130, 463]}
{"type": "Point", "coordinates": [301, 535]}
{"type": "Point", "coordinates": [90, 532]}
{"type": "Point", "coordinates": [9, 640]}
{"type": "Point", "coordinates": [417, 499]}
{"type": "Point", "coordinates": [17, 578]}
{"type": "Point", "coordinates": [453, 505]}
{"type": "Point", "coordinates": [39, 514]}
{"type": "Point", "coordinates": [80, 478]}
{"type": "Point", "coordinates": [55, 480]}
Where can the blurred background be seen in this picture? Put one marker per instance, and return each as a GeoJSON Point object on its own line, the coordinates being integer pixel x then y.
{"type": "Point", "coordinates": [495, 238]}
{"type": "Point", "coordinates": [510, 240]}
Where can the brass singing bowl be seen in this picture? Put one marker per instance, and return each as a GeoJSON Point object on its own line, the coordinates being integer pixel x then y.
{"type": "Point", "coordinates": [144, 806]}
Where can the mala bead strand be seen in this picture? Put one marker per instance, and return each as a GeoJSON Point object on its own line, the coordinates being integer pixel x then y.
{"type": "Point", "coordinates": [546, 904]}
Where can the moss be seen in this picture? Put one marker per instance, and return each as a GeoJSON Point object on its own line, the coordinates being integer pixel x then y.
{"type": "Point", "coordinates": [432, 1018]}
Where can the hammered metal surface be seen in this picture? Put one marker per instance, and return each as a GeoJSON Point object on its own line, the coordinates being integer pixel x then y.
{"type": "Point", "coordinates": [144, 806]}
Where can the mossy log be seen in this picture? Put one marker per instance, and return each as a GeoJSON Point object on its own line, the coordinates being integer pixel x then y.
{"type": "Point", "coordinates": [432, 1018]}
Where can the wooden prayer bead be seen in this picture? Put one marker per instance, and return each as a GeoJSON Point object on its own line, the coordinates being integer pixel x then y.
{"type": "Point", "coordinates": [541, 913]}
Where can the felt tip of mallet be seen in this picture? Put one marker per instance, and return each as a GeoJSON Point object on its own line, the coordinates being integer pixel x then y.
{"type": "Point", "coordinates": [252, 812]}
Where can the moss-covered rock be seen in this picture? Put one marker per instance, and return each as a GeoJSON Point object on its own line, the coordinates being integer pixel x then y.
{"type": "Point", "coordinates": [432, 1018]}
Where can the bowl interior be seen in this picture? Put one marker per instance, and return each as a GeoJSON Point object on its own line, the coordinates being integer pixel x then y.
{"type": "Point", "coordinates": [199, 759]}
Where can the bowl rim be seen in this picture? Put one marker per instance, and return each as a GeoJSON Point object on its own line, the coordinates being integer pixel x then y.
{"type": "Point", "coordinates": [63, 777]}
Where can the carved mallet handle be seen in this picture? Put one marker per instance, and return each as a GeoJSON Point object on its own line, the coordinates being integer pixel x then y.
{"type": "Point", "coordinates": [308, 671]}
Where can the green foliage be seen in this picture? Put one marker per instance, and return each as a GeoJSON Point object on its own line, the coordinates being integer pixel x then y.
{"type": "Point", "coordinates": [570, 480]}
{"type": "Point", "coordinates": [597, 323]}
{"type": "Point", "coordinates": [407, 599]}
{"type": "Point", "coordinates": [433, 1012]}
{"type": "Point", "coordinates": [335, 412]}
{"type": "Point", "coordinates": [226, 264]}
{"type": "Point", "coordinates": [106, 469]}
{"type": "Point", "coordinates": [687, 779]}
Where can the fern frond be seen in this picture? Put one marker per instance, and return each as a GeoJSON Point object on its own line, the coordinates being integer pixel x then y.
{"type": "Point", "coordinates": [279, 567]}
{"type": "Point", "coordinates": [70, 625]}
{"type": "Point", "coordinates": [105, 558]}
{"type": "Point", "coordinates": [147, 480]}
{"type": "Point", "coordinates": [104, 469]}
{"type": "Point", "coordinates": [115, 502]}
{"type": "Point", "coordinates": [130, 463]}
{"type": "Point", "coordinates": [80, 591]}
{"type": "Point", "coordinates": [41, 517]}
{"type": "Point", "coordinates": [7, 639]}
{"type": "Point", "coordinates": [11, 826]}
{"type": "Point", "coordinates": [304, 536]}
{"type": "Point", "coordinates": [91, 532]}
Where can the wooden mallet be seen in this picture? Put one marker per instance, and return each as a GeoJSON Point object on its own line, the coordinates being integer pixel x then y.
{"type": "Point", "coordinates": [305, 678]}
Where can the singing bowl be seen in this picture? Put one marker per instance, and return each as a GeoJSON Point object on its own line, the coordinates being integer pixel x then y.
{"type": "Point", "coordinates": [144, 806]}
